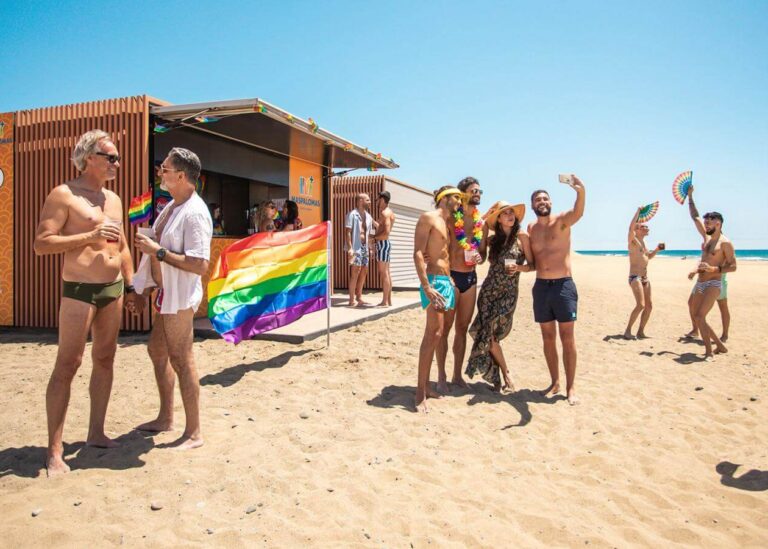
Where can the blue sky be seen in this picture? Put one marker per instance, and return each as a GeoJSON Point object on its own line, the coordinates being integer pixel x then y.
{"type": "Point", "coordinates": [625, 94]}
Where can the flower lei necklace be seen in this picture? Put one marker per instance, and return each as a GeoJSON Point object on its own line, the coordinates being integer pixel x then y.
{"type": "Point", "coordinates": [461, 235]}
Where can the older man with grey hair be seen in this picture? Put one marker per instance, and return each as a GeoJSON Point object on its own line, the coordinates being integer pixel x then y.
{"type": "Point", "coordinates": [82, 219]}
{"type": "Point", "coordinates": [175, 258]}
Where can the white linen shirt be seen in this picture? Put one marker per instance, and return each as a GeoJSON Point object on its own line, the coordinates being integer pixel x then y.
{"type": "Point", "coordinates": [188, 231]}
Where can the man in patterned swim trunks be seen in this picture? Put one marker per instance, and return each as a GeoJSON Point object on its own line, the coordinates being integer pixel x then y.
{"type": "Point", "coordinates": [555, 297]}
{"type": "Point", "coordinates": [83, 220]}
{"type": "Point", "coordinates": [383, 247]}
{"type": "Point", "coordinates": [358, 229]}
{"type": "Point", "coordinates": [717, 257]}
{"type": "Point", "coordinates": [437, 292]}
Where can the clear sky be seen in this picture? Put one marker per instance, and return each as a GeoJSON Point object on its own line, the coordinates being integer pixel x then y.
{"type": "Point", "coordinates": [625, 94]}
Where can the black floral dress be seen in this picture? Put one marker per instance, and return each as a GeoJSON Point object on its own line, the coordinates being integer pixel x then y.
{"type": "Point", "coordinates": [495, 310]}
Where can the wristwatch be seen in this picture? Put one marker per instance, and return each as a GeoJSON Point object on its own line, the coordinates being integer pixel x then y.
{"type": "Point", "coordinates": [129, 289]}
{"type": "Point", "coordinates": [160, 255]}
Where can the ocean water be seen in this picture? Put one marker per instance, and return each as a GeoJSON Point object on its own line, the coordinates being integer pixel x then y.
{"type": "Point", "coordinates": [743, 255]}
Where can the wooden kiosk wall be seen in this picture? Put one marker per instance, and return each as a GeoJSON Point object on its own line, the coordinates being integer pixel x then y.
{"type": "Point", "coordinates": [44, 142]}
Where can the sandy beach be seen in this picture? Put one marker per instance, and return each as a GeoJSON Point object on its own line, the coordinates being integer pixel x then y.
{"type": "Point", "coordinates": [309, 446]}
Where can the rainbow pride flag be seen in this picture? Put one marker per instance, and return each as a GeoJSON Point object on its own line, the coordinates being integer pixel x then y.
{"type": "Point", "coordinates": [140, 209]}
{"type": "Point", "coordinates": [269, 280]}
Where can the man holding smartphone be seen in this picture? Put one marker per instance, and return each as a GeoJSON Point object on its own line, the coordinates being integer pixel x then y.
{"type": "Point", "coordinates": [555, 297]}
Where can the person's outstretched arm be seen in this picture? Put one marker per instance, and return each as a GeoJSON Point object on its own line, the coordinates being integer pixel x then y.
{"type": "Point", "coordinates": [694, 213]}
{"type": "Point", "coordinates": [572, 216]}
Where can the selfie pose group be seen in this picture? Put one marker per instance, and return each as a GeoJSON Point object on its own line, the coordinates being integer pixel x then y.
{"type": "Point", "coordinates": [452, 239]}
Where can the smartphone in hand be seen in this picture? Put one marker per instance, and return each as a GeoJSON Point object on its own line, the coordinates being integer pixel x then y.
{"type": "Point", "coordinates": [565, 178]}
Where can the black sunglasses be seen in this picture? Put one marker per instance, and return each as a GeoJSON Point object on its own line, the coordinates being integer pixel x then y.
{"type": "Point", "coordinates": [111, 158]}
{"type": "Point", "coordinates": [477, 191]}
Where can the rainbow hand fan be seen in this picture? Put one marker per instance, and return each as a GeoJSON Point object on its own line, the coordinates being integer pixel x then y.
{"type": "Point", "coordinates": [681, 185]}
{"type": "Point", "coordinates": [647, 213]}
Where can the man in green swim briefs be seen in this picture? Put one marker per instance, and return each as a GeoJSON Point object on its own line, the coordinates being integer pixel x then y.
{"type": "Point", "coordinates": [437, 292]}
{"type": "Point", "coordinates": [83, 220]}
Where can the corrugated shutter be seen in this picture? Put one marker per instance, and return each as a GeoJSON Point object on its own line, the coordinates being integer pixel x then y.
{"type": "Point", "coordinates": [44, 142]}
{"type": "Point", "coordinates": [401, 264]}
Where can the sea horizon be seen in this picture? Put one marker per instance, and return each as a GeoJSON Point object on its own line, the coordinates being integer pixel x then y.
{"type": "Point", "coordinates": [745, 255]}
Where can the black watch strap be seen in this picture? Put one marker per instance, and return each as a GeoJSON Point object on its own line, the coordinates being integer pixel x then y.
{"type": "Point", "coordinates": [161, 254]}
{"type": "Point", "coordinates": [129, 289]}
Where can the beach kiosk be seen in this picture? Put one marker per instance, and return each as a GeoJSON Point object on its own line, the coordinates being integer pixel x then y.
{"type": "Point", "coordinates": [250, 150]}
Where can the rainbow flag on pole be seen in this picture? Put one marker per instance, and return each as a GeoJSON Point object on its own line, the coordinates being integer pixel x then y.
{"type": "Point", "coordinates": [269, 280]}
{"type": "Point", "coordinates": [140, 209]}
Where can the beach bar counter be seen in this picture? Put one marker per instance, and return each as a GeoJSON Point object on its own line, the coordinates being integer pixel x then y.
{"type": "Point", "coordinates": [250, 151]}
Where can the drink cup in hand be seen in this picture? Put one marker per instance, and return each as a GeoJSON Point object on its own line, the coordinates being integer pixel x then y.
{"type": "Point", "coordinates": [149, 232]}
{"type": "Point", "coordinates": [469, 257]}
{"type": "Point", "coordinates": [112, 222]}
{"type": "Point", "coordinates": [662, 246]}
{"type": "Point", "coordinates": [510, 266]}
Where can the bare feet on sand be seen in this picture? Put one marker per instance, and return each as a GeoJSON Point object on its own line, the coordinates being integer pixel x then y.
{"type": "Point", "coordinates": [573, 400]}
{"type": "Point", "coordinates": [420, 407]}
{"type": "Point", "coordinates": [693, 334]}
{"type": "Point", "coordinates": [184, 442]}
{"type": "Point", "coordinates": [641, 335]}
{"type": "Point", "coordinates": [551, 391]}
{"type": "Point", "coordinates": [459, 382]}
{"type": "Point", "coordinates": [156, 426]}
{"type": "Point", "coordinates": [724, 338]}
{"type": "Point", "coordinates": [431, 393]}
{"type": "Point", "coordinates": [56, 466]}
{"type": "Point", "coordinates": [442, 386]}
{"type": "Point", "coordinates": [721, 349]}
{"type": "Point", "coordinates": [101, 441]}
{"type": "Point", "coordinates": [628, 336]}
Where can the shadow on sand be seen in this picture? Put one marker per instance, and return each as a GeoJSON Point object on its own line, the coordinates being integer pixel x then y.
{"type": "Point", "coordinates": [753, 480]}
{"type": "Point", "coordinates": [29, 461]}
{"type": "Point", "coordinates": [398, 396]}
{"type": "Point", "coordinates": [685, 358]}
{"type": "Point", "coordinates": [233, 374]}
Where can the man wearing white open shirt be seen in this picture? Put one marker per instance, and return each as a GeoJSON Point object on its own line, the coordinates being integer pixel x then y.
{"type": "Point", "coordinates": [174, 262]}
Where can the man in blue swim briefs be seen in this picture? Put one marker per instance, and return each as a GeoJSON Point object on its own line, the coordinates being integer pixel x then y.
{"type": "Point", "coordinates": [464, 275]}
{"type": "Point", "coordinates": [437, 292]}
{"type": "Point", "coordinates": [82, 220]}
{"type": "Point", "coordinates": [554, 293]}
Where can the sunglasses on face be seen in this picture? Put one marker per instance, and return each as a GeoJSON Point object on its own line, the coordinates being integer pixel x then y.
{"type": "Point", "coordinates": [111, 158]}
{"type": "Point", "coordinates": [477, 191]}
{"type": "Point", "coordinates": [162, 169]}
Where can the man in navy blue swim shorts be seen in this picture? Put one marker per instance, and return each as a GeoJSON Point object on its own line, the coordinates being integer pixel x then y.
{"type": "Point", "coordinates": [555, 298]}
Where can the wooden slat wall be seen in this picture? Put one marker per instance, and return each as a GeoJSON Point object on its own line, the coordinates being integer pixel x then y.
{"type": "Point", "coordinates": [44, 142]}
{"type": "Point", "coordinates": [343, 193]}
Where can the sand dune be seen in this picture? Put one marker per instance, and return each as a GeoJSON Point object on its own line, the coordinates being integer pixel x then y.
{"type": "Point", "coordinates": [308, 446]}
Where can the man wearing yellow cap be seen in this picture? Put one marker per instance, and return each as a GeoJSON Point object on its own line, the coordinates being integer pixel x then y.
{"type": "Point", "coordinates": [464, 257]}
{"type": "Point", "coordinates": [437, 292]}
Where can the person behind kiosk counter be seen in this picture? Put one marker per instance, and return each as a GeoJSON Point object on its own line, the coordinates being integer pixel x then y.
{"type": "Point", "coordinates": [291, 221]}
{"type": "Point", "coordinates": [218, 220]}
{"type": "Point", "coordinates": [265, 217]}
{"type": "Point", "coordinates": [82, 220]}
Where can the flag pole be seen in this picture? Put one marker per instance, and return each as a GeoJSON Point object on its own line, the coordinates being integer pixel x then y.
{"type": "Point", "coordinates": [328, 288]}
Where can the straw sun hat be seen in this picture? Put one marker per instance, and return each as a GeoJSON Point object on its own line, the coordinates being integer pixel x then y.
{"type": "Point", "coordinates": [495, 211]}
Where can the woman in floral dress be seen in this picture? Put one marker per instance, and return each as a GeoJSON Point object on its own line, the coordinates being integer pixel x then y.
{"type": "Point", "coordinates": [498, 295]}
